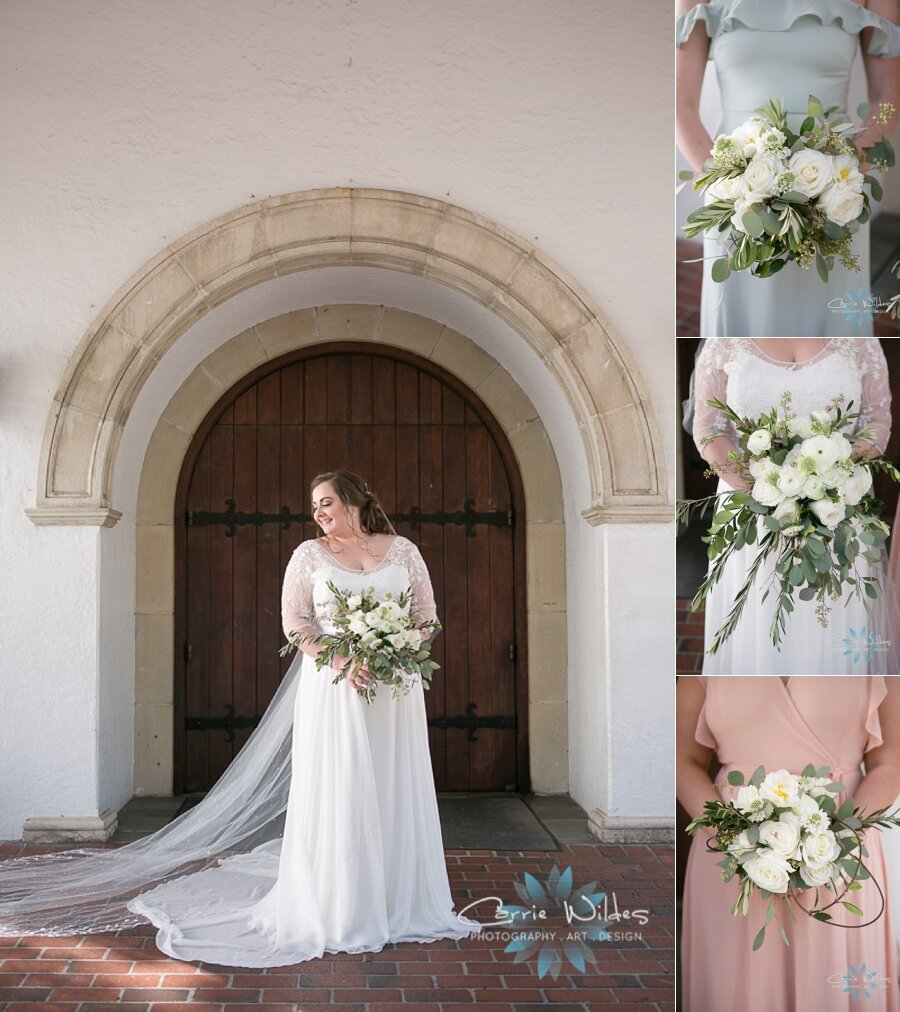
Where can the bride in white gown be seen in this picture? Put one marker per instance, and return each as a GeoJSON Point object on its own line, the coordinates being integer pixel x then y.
{"type": "Point", "coordinates": [751, 375]}
{"type": "Point", "coordinates": [360, 860]}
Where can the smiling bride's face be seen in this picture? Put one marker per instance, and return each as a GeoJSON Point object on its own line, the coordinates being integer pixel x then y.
{"type": "Point", "coordinates": [332, 515]}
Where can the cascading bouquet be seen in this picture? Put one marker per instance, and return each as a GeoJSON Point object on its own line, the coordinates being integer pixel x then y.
{"type": "Point", "coordinates": [809, 508]}
{"type": "Point", "coordinates": [380, 633]}
{"type": "Point", "coordinates": [785, 835]}
{"type": "Point", "coordinates": [774, 195]}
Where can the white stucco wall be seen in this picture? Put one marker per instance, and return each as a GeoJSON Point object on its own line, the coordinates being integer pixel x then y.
{"type": "Point", "coordinates": [135, 123]}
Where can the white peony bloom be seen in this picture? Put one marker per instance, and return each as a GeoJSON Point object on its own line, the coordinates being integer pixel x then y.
{"type": "Point", "coordinates": [781, 788]}
{"type": "Point", "coordinates": [817, 874]}
{"type": "Point", "coordinates": [828, 512]}
{"type": "Point", "coordinates": [782, 836]}
{"type": "Point", "coordinates": [857, 485]}
{"type": "Point", "coordinates": [800, 425]}
{"type": "Point", "coordinates": [769, 871]}
{"type": "Point", "coordinates": [821, 449]}
{"type": "Point", "coordinates": [790, 481]}
{"type": "Point", "coordinates": [761, 174]}
{"type": "Point", "coordinates": [845, 172]}
{"type": "Point", "coordinates": [759, 441]}
{"type": "Point", "coordinates": [813, 488]}
{"type": "Point", "coordinates": [841, 204]}
{"type": "Point", "coordinates": [812, 170]}
{"type": "Point", "coordinates": [765, 489]}
{"type": "Point", "coordinates": [820, 848]}
{"type": "Point", "coordinates": [746, 136]}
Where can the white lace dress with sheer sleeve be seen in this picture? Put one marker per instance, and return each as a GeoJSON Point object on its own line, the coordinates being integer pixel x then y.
{"type": "Point", "coordinates": [738, 372]}
{"type": "Point", "coordinates": [361, 860]}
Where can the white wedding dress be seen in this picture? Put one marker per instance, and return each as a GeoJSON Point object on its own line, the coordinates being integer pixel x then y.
{"type": "Point", "coordinates": [359, 862]}
{"type": "Point", "coordinates": [739, 373]}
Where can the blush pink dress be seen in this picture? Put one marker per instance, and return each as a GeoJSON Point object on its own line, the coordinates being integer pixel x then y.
{"type": "Point", "coordinates": [761, 721]}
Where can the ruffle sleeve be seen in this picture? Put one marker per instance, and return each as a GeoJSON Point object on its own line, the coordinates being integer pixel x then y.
{"type": "Point", "coordinates": [703, 733]}
{"type": "Point", "coordinates": [720, 16]}
{"type": "Point", "coordinates": [877, 692]}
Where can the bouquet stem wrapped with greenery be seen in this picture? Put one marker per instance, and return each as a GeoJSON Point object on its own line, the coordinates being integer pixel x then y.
{"type": "Point", "coordinates": [786, 836]}
{"type": "Point", "coordinates": [381, 634]}
{"type": "Point", "coordinates": [810, 508]}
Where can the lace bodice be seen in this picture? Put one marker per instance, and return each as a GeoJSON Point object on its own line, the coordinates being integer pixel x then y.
{"type": "Point", "coordinates": [738, 372]}
{"type": "Point", "coordinates": [307, 603]}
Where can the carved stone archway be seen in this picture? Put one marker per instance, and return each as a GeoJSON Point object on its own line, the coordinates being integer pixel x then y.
{"type": "Point", "coordinates": [344, 227]}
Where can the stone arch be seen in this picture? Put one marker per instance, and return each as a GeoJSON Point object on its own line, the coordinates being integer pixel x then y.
{"type": "Point", "coordinates": [545, 543]}
{"type": "Point", "coordinates": [342, 227]}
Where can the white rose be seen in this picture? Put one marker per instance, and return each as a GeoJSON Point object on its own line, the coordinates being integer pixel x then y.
{"type": "Point", "coordinates": [414, 638]}
{"type": "Point", "coordinates": [741, 844]}
{"type": "Point", "coordinates": [812, 170]}
{"type": "Point", "coordinates": [790, 481]}
{"type": "Point", "coordinates": [820, 848]}
{"type": "Point", "coordinates": [813, 488]}
{"type": "Point", "coordinates": [828, 512]}
{"type": "Point", "coordinates": [759, 441]}
{"type": "Point", "coordinates": [370, 638]}
{"type": "Point", "coordinates": [804, 808]}
{"type": "Point", "coordinates": [817, 874]}
{"type": "Point", "coordinates": [800, 425]}
{"type": "Point", "coordinates": [766, 491]}
{"type": "Point", "coordinates": [841, 204]}
{"type": "Point", "coordinates": [817, 787]}
{"type": "Point", "coordinates": [742, 206]}
{"type": "Point", "coordinates": [845, 172]}
{"type": "Point", "coordinates": [782, 836]}
{"type": "Point", "coordinates": [769, 871]}
{"type": "Point", "coordinates": [398, 640]}
{"type": "Point", "coordinates": [726, 188]}
{"type": "Point", "coordinates": [786, 510]}
{"type": "Point", "coordinates": [821, 449]}
{"type": "Point", "coordinates": [760, 175]}
{"type": "Point", "coordinates": [781, 788]}
{"type": "Point", "coordinates": [856, 486]}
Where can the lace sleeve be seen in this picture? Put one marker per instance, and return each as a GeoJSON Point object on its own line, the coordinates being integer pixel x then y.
{"type": "Point", "coordinates": [297, 609]}
{"type": "Point", "coordinates": [422, 601]}
{"type": "Point", "coordinates": [710, 380]}
{"type": "Point", "coordinates": [875, 406]}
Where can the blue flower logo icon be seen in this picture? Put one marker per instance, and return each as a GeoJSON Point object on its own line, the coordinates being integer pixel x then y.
{"type": "Point", "coordinates": [859, 309]}
{"type": "Point", "coordinates": [860, 983]}
{"type": "Point", "coordinates": [567, 945]}
{"type": "Point", "coordinates": [859, 645]}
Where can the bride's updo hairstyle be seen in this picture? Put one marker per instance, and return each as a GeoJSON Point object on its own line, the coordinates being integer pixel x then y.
{"type": "Point", "coordinates": [353, 491]}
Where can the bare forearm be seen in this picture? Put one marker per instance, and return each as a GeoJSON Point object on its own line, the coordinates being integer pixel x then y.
{"type": "Point", "coordinates": [693, 140]}
{"type": "Point", "coordinates": [880, 788]}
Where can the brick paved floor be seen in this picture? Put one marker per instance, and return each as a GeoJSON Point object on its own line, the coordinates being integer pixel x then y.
{"type": "Point", "coordinates": [689, 630]}
{"type": "Point", "coordinates": [126, 971]}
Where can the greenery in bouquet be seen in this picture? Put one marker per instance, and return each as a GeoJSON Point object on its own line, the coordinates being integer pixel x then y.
{"type": "Point", "coordinates": [809, 507]}
{"type": "Point", "coordinates": [381, 634]}
{"type": "Point", "coordinates": [786, 837]}
{"type": "Point", "coordinates": [775, 196]}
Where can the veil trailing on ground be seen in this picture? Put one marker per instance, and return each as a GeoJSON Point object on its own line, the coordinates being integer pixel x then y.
{"type": "Point", "coordinates": [86, 890]}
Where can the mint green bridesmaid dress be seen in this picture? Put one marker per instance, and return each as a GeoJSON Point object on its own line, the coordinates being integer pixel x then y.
{"type": "Point", "coordinates": [787, 49]}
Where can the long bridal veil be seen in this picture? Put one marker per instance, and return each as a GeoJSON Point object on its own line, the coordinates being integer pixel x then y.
{"type": "Point", "coordinates": [86, 890]}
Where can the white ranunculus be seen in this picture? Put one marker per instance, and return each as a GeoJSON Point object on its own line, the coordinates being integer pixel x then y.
{"type": "Point", "coordinates": [742, 206]}
{"type": "Point", "coordinates": [812, 170]}
{"type": "Point", "coordinates": [833, 477]}
{"type": "Point", "coordinates": [857, 485]}
{"type": "Point", "coordinates": [821, 449]}
{"type": "Point", "coordinates": [759, 441]}
{"type": "Point", "coordinates": [828, 512]}
{"type": "Point", "coordinates": [782, 836]}
{"type": "Point", "coordinates": [780, 787]}
{"type": "Point", "coordinates": [813, 488]}
{"type": "Point", "coordinates": [790, 481]}
{"type": "Point", "coordinates": [845, 172]}
{"type": "Point", "coordinates": [820, 848]}
{"type": "Point", "coordinates": [769, 871]}
{"type": "Point", "coordinates": [398, 640]}
{"type": "Point", "coordinates": [760, 175]}
{"type": "Point", "coordinates": [765, 489]}
{"type": "Point", "coordinates": [726, 188]}
{"type": "Point", "coordinates": [763, 465]}
{"type": "Point", "coordinates": [841, 204]}
{"type": "Point", "coordinates": [800, 425]}
{"type": "Point", "coordinates": [747, 135]}
{"type": "Point", "coordinates": [842, 444]}
{"type": "Point", "coordinates": [817, 874]}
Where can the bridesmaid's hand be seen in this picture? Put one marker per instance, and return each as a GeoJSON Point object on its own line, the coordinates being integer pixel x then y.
{"type": "Point", "coordinates": [360, 678]}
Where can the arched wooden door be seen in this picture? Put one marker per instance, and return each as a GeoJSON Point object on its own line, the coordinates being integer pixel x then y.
{"type": "Point", "coordinates": [447, 478]}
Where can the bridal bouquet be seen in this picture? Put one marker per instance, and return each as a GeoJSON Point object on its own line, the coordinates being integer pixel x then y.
{"type": "Point", "coordinates": [774, 195]}
{"type": "Point", "coordinates": [785, 835]}
{"type": "Point", "coordinates": [383, 635]}
{"type": "Point", "coordinates": [810, 508]}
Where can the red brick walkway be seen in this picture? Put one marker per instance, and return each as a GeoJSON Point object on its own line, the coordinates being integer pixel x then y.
{"type": "Point", "coordinates": [689, 630]}
{"type": "Point", "coordinates": [125, 970]}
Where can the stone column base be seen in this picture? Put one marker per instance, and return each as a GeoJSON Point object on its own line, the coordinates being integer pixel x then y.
{"type": "Point", "coordinates": [67, 829]}
{"type": "Point", "coordinates": [630, 829]}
